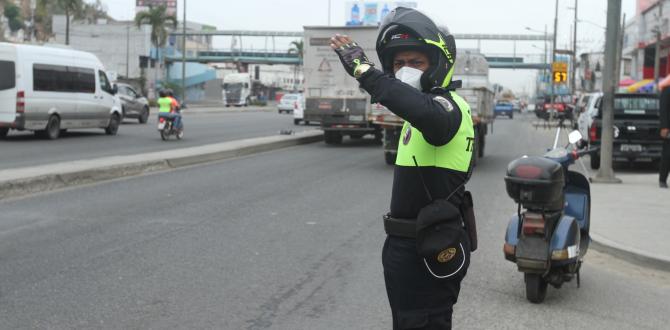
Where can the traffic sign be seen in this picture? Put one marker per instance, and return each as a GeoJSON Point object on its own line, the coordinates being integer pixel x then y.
{"type": "Point", "coordinates": [559, 72]}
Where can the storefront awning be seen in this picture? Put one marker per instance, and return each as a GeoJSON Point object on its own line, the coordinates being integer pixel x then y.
{"type": "Point", "coordinates": [626, 82]}
{"type": "Point", "coordinates": [636, 86]}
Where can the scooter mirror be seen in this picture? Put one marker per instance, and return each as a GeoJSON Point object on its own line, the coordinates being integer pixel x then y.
{"type": "Point", "coordinates": [574, 137]}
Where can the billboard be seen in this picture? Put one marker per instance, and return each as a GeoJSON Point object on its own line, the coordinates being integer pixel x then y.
{"type": "Point", "coordinates": [143, 5]}
{"type": "Point", "coordinates": [371, 12]}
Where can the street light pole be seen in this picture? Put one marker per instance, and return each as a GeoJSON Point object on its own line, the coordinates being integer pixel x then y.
{"type": "Point", "coordinates": [546, 55]}
{"type": "Point", "coordinates": [183, 59]}
{"type": "Point", "coordinates": [606, 173]}
{"type": "Point", "coordinates": [553, 58]}
{"type": "Point", "coordinates": [573, 80]}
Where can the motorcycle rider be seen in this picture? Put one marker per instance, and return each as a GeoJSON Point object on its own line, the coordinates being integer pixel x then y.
{"type": "Point", "coordinates": [426, 253]}
{"type": "Point", "coordinates": [176, 113]}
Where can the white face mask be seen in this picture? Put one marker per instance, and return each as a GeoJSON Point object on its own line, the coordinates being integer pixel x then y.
{"type": "Point", "coordinates": [410, 76]}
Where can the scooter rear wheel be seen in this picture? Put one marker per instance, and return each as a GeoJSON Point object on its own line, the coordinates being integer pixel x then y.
{"type": "Point", "coordinates": [165, 135]}
{"type": "Point", "coordinates": [536, 287]}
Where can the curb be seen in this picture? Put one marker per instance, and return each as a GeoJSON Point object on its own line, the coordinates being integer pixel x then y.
{"type": "Point", "coordinates": [91, 173]}
{"type": "Point", "coordinates": [630, 254]}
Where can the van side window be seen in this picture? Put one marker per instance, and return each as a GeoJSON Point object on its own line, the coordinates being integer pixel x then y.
{"type": "Point", "coordinates": [8, 76]}
{"type": "Point", "coordinates": [104, 82]}
{"type": "Point", "coordinates": [59, 78]}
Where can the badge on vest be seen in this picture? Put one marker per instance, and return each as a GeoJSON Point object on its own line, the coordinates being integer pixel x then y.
{"type": "Point", "coordinates": [446, 104]}
{"type": "Point", "coordinates": [408, 135]}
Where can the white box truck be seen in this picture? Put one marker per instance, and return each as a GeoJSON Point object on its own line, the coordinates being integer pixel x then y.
{"type": "Point", "coordinates": [332, 97]}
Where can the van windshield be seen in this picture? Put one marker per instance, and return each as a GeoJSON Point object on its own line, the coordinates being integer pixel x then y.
{"type": "Point", "coordinates": [8, 76]}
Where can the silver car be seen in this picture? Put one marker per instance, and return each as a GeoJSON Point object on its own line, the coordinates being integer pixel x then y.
{"type": "Point", "coordinates": [134, 105]}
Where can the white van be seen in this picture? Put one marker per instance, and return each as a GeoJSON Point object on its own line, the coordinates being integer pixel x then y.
{"type": "Point", "coordinates": [49, 90]}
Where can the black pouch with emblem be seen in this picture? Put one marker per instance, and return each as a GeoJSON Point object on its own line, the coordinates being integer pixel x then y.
{"type": "Point", "coordinates": [441, 239]}
{"type": "Point", "coordinates": [468, 212]}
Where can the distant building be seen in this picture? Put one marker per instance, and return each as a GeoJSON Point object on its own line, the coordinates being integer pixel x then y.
{"type": "Point", "coordinates": [170, 5]}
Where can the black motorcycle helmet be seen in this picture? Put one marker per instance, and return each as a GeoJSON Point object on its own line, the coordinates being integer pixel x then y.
{"type": "Point", "coordinates": [406, 28]}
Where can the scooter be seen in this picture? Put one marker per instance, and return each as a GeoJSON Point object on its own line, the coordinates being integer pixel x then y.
{"type": "Point", "coordinates": [166, 128]}
{"type": "Point", "coordinates": [549, 235]}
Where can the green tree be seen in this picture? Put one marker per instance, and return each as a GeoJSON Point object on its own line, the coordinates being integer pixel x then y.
{"type": "Point", "coordinates": [13, 15]}
{"type": "Point", "coordinates": [158, 19]}
{"type": "Point", "coordinates": [297, 47]}
{"type": "Point", "coordinates": [71, 8]}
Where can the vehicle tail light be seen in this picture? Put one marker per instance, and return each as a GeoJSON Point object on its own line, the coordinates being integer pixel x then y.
{"type": "Point", "coordinates": [20, 102]}
{"type": "Point", "coordinates": [161, 120]}
{"type": "Point", "coordinates": [533, 224]}
{"type": "Point", "coordinates": [593, 133]}
{"type": "Point", "coordinates": [509, 249]}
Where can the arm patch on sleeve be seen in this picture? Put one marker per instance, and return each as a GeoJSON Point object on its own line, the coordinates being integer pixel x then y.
{"type": "Point", "coordinates": [445, 103]}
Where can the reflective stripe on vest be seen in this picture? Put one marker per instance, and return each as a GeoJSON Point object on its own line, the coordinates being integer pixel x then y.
{"type": "Point", "coordinates": [455, 155]}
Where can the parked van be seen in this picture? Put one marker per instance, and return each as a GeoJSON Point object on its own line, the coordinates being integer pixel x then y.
{"type": "Point", "coordinates": [49, 90]}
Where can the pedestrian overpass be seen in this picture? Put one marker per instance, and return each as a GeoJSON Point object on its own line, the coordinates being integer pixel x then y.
{"type": "Point", "coordinates": [276, 57]}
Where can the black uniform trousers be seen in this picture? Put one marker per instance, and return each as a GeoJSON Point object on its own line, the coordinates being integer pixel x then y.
{"type": "Point", "coordinates": [665, 161]}
{"type": "Point", "coordinates": [418, 300]}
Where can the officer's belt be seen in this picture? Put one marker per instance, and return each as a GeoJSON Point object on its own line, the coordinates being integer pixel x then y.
{"type": "Point", "coordinates": [399, 227]}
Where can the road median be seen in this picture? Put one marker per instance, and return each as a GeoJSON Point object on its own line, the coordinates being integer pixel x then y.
{"type": "Point", "coordinates": [25, 181]}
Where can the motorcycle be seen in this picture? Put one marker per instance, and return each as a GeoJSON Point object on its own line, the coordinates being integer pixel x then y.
{"type": "Point", "coordinates": [549, 235]}
{"type": "Point", "coordinates": [166, 128]}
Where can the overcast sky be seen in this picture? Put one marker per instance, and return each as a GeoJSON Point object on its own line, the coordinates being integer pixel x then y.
{"type": "Point", "coordinates": [471, 16]}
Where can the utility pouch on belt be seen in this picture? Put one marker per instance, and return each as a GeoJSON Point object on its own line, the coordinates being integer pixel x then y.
{"type": "Point", "coordinates": [468, 212]}
{"type": "Point", "coordinates": [441, 240]}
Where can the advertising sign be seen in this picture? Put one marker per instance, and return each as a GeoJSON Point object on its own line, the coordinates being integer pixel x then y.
{"type": "Point", "coordinates": [143, 5]}
{"type": "Point", "coordinates": [370, 13]}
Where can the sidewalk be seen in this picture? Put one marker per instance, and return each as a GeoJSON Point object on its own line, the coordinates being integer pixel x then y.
{"type": "Point", "coordinates": [632, 220]}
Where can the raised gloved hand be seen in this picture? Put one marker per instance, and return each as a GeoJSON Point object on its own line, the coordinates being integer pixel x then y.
{"type": "Point", "coordinates": [352, 56]}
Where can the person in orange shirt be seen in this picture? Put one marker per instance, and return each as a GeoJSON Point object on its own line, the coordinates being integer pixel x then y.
{"type": "Point", "coordinates": [176, 110]}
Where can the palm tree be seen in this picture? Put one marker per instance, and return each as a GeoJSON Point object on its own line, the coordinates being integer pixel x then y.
{"type": "Point", "coordinates": [71, 7]}
{"type": "Point", "coordinates": [297, 47]}
{"type": "Point", "coordinates": [158, 19]}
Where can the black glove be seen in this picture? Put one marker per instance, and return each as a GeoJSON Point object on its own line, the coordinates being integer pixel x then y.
{"type": "Point", "coordinates": [352, 57]}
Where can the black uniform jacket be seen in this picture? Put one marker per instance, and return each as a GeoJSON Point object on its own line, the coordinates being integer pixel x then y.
{"type": "Point", "coordinates": [438, 127]}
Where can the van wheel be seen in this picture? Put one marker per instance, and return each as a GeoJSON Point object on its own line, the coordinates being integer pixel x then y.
{"type": "Point", "coordinates": [113, 126]}
{"type": "Point", "coordinates": [389, 158]}
{"type": "Point", "coordinates": [3, 132]}
{"type": "Point", "coordinates": [53, 128]}
{"type": "Point", "coordinates": [144, 117]}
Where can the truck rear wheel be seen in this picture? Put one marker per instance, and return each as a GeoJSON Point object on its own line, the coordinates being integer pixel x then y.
{"type": "Point", "coordinates": [3, 132]}
{"type": "Point", "coordinates": [332, 137]}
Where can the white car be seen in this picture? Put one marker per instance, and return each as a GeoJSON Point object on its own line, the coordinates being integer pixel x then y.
{"type": "Point", "coordinates": [299, 111]}
{"type": "Point", "coordinates": [588, 109]}
{"type": "Point", "coordinates": [289, 102]}
{"type": "Point", "coordinates": [49, 90]}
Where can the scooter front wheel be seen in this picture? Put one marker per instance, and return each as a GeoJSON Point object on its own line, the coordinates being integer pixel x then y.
{"type": "Point", "coordinates": [536, 287]}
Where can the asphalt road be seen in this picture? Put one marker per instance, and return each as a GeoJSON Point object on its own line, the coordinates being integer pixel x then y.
{"type": "Point", "coordinates": [289, 239]}
{"type": "Point", "coordinates": [202, 126]}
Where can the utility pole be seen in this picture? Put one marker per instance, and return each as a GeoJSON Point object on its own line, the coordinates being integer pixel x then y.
{"type": "Point", "coordinates": [546, 56]}
{"type": "Point", "coordinates": [657, 56]}
{"type": "Point", "coordinates": [619, 58]}
{"type": "Point", "coordinates": [553, 58]}
{"type": "Point", "coordinates": [573, 77]}
{"type": "Point", "coordinates": [183, 59]}
{"type": "Point", "coordinates": [328, 12]}
{"type": "Point", "coordinates": [606, 173]}
{"type": "Point", "coordinates": [128, 50]}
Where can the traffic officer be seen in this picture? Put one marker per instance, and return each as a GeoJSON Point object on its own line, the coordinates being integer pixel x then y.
{"type": "Point", "coordinates": [665, 135]}
{"type": "Point", "coordinates": [427, 251]}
